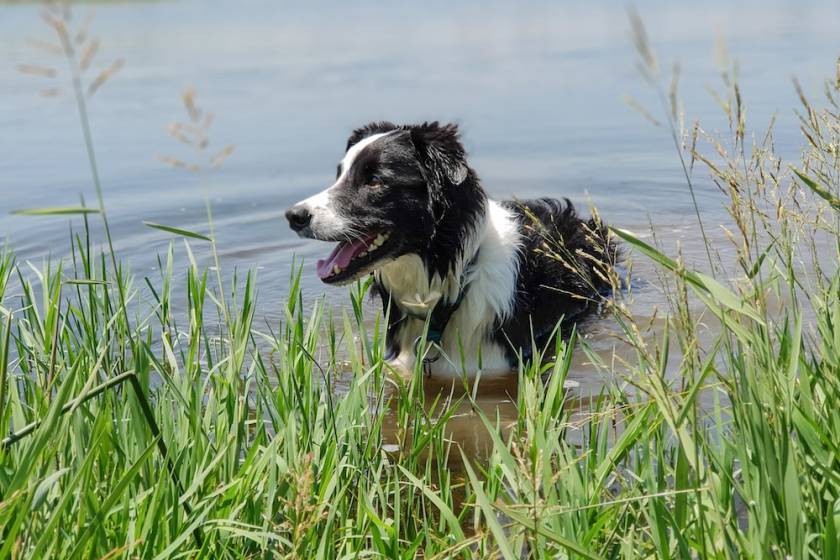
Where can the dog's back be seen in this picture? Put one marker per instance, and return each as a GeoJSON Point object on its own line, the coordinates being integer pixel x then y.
{"type": "Point", "coordinates": [562, 269]}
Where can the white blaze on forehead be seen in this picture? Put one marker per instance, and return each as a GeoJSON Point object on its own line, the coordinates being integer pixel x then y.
{"type": "Point", "coordinates": [325, 220]}
{"type": "Point", "coordinates": [355, 149]}
{"type": "Point", "coordinates": [322, 199]}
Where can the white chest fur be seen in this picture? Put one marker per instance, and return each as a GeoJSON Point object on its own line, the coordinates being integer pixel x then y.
{"type": "Point", "coordinates": [489, 299]}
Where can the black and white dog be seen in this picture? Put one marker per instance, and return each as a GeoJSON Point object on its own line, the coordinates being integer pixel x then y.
{"type": "Point", "coordinates": [489, 277]}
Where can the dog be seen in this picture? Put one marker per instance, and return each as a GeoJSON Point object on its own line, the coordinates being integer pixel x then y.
{"type": "Point", "coordinates": [490, 280]}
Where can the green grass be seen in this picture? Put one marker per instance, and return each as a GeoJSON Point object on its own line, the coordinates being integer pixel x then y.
{"type": "Point", "coordinates": [138, 428]}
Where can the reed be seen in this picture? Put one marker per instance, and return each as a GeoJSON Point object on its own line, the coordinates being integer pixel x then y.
{"type": "Point", "coordinates": [230, 441]}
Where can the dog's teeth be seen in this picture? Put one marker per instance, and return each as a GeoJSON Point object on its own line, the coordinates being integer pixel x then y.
{"type": "Point", "coordinates": [336, 269]}
{"type": "Point", "coordinates": [363, 253]}
{"type": "Point", "coordinates": [379, 240]}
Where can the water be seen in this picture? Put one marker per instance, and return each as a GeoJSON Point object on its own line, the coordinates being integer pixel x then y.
{"type": "Point", "coordinates": [537, 88]}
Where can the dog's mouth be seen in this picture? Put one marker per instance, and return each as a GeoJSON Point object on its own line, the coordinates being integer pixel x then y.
{"type": "Point", "coordinates": [351, 259]}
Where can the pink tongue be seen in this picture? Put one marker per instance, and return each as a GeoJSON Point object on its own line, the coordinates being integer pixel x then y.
{"type": "Point", "coordinates": [341, 256]}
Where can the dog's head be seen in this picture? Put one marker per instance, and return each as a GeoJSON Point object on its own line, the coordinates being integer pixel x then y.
{"type": "Point", "coordinates": [391, 186]}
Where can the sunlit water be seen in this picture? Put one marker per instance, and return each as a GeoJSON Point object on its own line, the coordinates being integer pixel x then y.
{"type": "Point", "coordinates": [537, 89]}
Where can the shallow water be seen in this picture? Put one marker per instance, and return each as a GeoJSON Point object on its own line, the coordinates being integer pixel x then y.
{"type": "Point", "coordinates": [537, 89]}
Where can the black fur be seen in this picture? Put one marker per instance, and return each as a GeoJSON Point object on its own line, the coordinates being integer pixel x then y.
{"type": "Point", "coordinates": [438, 197]}
{"type": "Point", "coordinates": [555, 282]}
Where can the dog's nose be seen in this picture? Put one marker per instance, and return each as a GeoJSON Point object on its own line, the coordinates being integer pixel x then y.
{"type": "Point", "coordinates": [299, 217]}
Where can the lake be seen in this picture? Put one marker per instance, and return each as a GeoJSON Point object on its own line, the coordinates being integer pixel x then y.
{"type": "Point", "coordinates": [537, 87]}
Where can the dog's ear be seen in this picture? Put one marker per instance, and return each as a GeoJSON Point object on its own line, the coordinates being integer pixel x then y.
{"type": "Point", "coordinates": [368, 130]}
{"type": "Point", "coordinates": [440, 151]}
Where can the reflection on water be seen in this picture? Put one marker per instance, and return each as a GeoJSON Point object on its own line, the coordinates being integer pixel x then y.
{"type": "Point", "coordinates": [496, 397]}
{"type": "Point", "coordinates": [537, 89]}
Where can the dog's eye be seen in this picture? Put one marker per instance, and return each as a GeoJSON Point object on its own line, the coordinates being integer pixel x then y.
{"type": "Point", "coordinates": [375, 182]}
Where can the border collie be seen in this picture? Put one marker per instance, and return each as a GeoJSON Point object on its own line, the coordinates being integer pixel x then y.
{"type": "Point", "coordinates": [490, 278]}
